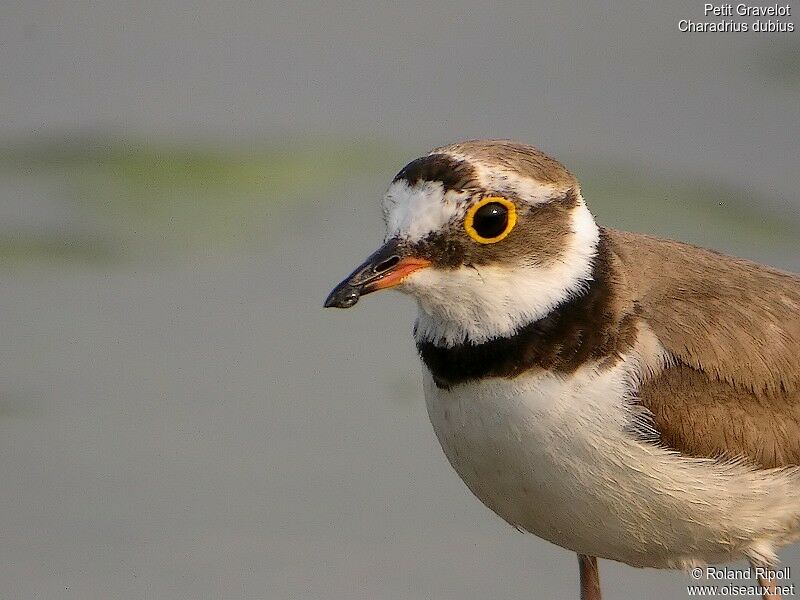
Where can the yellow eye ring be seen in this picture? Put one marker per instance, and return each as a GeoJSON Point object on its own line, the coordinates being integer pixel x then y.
{"type": "Point", "coordinates": [511, 219]}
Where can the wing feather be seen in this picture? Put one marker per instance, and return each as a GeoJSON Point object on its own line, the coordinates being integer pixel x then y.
{"type": "Point", "coordinates": [733, 319]}
{"type": "Point", "coordinates": [731, 329]}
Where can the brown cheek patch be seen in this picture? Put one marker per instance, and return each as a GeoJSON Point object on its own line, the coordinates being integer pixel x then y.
{"type": "Point", "coordinates": [541, 236]}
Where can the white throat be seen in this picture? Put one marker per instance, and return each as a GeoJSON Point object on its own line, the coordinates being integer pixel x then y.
{"type": "Point", "coordinates": [485, 302]}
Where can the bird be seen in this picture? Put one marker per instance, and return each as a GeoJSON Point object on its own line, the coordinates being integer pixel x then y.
{"type": "Point", "coordinates": [622, 396]}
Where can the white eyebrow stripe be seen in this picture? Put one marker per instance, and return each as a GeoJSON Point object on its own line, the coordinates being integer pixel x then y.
{"type": "Point", "coordinates": [498, 179]}
{"type": "Point", "coordinates": [533, 192]}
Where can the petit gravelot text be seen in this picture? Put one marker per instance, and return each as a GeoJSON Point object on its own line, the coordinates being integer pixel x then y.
{"type": "Point", "coordinates": [741, 18]}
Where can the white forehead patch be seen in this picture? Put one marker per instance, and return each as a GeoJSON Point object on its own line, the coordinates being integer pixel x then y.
{"type": "Point", "coordinates": [412, 212]}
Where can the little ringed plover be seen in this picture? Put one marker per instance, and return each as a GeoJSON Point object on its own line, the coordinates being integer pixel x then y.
{"type": "Point", "coordinates": [622, 396]}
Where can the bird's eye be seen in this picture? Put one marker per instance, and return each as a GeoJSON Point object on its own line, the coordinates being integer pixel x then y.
{"type": "Point", "coordinates": [490, 220]}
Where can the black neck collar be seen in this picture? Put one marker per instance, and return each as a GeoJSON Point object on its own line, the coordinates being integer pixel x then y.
{"type": "Point", "coordinates": [584, 327]}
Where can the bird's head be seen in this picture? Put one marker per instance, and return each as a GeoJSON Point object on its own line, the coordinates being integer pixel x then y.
{"type": "Point", "coordinates": [486, 235]}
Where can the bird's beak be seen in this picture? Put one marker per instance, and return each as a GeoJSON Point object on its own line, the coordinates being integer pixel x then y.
{"type": "Point", "coordinates": [385, 268]}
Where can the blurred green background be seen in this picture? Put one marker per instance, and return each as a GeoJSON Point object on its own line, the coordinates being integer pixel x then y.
{"type": "Point", "coordinates": [182, 183]}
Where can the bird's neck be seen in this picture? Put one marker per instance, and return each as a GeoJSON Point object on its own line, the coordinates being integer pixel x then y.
{"type": "Point", "coordinates": [584, 326]}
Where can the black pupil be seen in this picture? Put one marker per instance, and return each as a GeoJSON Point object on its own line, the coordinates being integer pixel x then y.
{"type": "Point", "coordinates": [490, 220]}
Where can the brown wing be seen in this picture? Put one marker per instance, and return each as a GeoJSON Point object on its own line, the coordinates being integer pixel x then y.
{"type": "Point", "coordinates": [700, 415]}
{"type": "Point", "coordinates": [732, 328]}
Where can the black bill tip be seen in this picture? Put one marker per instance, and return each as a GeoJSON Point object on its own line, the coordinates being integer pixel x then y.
{"type": "Point", "coordinates": [343, 296]}
{"type": "Point", "coordinates": [379, 271]}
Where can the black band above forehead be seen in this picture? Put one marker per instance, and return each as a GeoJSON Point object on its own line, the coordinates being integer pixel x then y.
{"type": "Point", "coordinates": [454, 174]}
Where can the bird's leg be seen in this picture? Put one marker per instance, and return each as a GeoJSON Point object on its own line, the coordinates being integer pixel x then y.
{"type": "Point", "coordinates": [590, 577]}
{"type": "Point", "coordinates": [768, 584]}
{"type": "Point", "coordinates": [770, 593]}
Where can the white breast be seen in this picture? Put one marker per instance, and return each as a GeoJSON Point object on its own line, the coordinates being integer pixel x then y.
{"type": "Point", "coordinates": [556, 456]}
